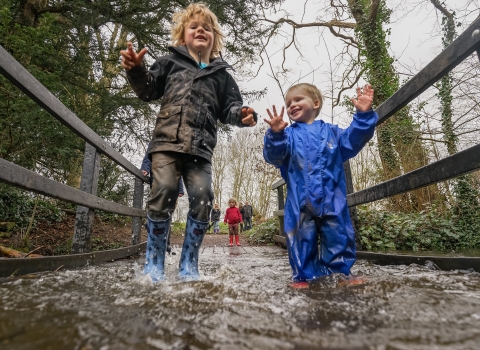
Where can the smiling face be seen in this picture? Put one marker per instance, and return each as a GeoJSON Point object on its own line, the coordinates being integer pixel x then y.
{"type": "Point", "coordinates": [198, 37]}
{"type": "Point", "coordinates": [301, 107]}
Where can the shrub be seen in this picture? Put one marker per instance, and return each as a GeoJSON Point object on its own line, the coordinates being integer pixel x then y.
{"type": "Point", "coordinates": [426, 230]}
{"type": "Point", "coordinates": [263, 233]}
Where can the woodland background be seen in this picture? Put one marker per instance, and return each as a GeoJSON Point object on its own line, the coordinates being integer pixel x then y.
{"type": "Point", "coordinates": [72, 47]}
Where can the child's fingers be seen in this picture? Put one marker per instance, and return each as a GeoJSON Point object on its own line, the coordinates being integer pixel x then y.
{"type": "Point", "coordinates": [269, 114]}
{"type": "Point", "coordinates": [130, 47]}
{"type": "Point", "coordinates": [142, 53]}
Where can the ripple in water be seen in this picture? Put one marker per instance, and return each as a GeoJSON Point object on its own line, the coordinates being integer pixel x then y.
{"type": "Point", "coordinates": [241, 302]}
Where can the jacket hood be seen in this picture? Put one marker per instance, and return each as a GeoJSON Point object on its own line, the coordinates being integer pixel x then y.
{"type": "Point", "coordinates": [182, 50]}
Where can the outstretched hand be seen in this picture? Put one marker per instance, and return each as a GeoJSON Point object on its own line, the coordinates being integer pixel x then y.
{"type": "Point", "coordinates": [247, 116]}
{"type": "Point", "coordinates": [276, 121]}
{"type": "Point", "coordinates": [364, 99]}
{"type": "Point", "coordinates": [130, 58]}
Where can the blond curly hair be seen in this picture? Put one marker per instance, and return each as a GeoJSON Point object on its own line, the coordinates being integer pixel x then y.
{"type": "Point", "coordinates": [181, 19]}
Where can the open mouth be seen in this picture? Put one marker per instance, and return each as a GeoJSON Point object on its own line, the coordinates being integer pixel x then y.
{"type": "Point", "coordinates": [201, 37]}
{"type": "Point", "coordinates": [295, 111]}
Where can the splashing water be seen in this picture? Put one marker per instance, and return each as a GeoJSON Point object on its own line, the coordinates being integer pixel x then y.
{"type": "Point", "coordinates": [242, 301]}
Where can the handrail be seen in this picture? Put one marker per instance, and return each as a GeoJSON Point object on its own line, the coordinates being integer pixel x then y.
{"type": "Point", "coordinates": [31, 181]}
{"type": "Point", "coordinates": [460, 163]}
{"type": "Point", "coordinates": [85, 198]}
{"type": "Point", "coordinates": [27, 83]}
{"type": "Point", "coordinates": [454, 54]}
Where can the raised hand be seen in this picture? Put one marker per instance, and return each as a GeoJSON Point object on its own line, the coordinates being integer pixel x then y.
{"type": "Point", "coordinates": [130, 58]}
{"type": "Point", "coordinates": [364, 99]}
{"type": "Point", "coordinates": [276, 121]}
{"type": "Point", "coordinates": [247, 116]}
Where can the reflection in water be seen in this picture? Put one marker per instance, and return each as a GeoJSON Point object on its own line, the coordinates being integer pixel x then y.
{"type": "Point", "coordinates": [241, 302]}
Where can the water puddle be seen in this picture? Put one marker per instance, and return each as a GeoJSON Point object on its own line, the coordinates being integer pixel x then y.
{"type": "Point", "coordinates": [243, 301]}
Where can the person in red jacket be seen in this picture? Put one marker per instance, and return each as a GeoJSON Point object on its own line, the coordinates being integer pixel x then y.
{"type": "Point", "coordinates": [233, 218]}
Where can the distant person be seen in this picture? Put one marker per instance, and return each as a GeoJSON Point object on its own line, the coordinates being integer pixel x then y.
{"type": "Point", "coordinates": [146, 168]}
{"type": "Point", "coordinates": [215, 218]}
{"type": "Point", "coordinates": [197, 92]}
{"type": "Point", "coordinates": [247, 216]}
{"type": "Point", "coordinates": [233, 218]}
{"type": "Point", "coordinates": [310, 154]}
{"type": "Point", "coordinates": [240, 207]}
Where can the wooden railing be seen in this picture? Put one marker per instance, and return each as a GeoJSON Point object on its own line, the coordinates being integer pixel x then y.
{"type": "Point", "coordinates": [85, 198]}
{"type": "Point", "coordinates": [450, 167]}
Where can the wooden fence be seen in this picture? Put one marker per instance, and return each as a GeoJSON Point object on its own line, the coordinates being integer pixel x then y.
{"type": "Point", "coordinates": [85, 198]}
{"type": "Point", "coordinates": [450, 167]}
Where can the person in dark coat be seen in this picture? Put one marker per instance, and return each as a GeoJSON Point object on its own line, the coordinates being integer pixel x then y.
{"type": "Point", "coordinates": [247, 215]}
{"type": "Point", "coordinates": [215, 218]}
{"type": "Point", "coordinates": [196, 92]}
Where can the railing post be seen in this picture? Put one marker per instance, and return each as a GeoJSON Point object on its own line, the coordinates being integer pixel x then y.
{"type": "Point", "coordinates": [137, 203]}
{"type": "Point", "coordinates": [281, 205]}
{"type": "Point", "coordinates": [82, 235]}
{"type": "Point", "coordinates": [352, 210]}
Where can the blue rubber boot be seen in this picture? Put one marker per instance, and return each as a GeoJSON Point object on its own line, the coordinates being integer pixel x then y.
{"type": "Point", "coordinates": [194, 233]}
{"type": "Point", "coordinates": [156, 248]}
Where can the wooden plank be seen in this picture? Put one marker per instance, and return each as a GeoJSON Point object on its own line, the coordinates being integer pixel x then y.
{"type": "Point", "coordinates": [208, 250]}
{"type": "Point", "coordinates": [443, 262]}
{"type": "Point", "coordinates": [280, 239]}
{"type": "Point", "coordinates": [9, 267]}
{"type": "Point", "coordinates": [20, 77]}
{"type": "Point", "coordinates": [279, 183]}
{"type": "Point", "coordinates": [28, 180]}
{"type": "Point", "coordinates": [273, 249]}
{"type": "Point", "coordinates": [454, 54]}
{"type": "Point", "coordinates": [247, 250]}
{"type": "Point", "coordinates": [453, 166]}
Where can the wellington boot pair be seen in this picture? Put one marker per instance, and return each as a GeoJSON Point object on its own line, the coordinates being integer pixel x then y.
{"type": "Point", "coordinates": [237, 240]}
{"type": "Point", "coordinates": [231, 241]}
{"type": "Point", "coordinates": [158, 231]}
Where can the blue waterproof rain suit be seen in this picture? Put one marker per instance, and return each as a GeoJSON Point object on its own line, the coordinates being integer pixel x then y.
{"type": "Point", "coordinates": [310, 158]}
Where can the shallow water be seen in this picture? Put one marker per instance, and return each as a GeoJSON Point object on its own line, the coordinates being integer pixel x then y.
{"type": "Point", "coordinates": [241, 302]}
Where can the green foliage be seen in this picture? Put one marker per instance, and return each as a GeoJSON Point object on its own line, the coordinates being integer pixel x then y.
{"type": "Point", "coordinates": [263, 233]}
{"type": "Point", "coordinates": [98, 244]}
{"type": "Point", "coordinates": [425, 230]}
{"type": "Point", "coordinates": [17, 206]}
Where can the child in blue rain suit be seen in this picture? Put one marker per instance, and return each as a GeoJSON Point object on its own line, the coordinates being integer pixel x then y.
{"type": "Point", "coordinates": [196, 91]}
{"type": "Point", "coordinates": [310, 154]}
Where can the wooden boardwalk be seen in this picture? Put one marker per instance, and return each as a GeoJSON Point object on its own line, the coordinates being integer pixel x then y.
{"type": "Point", "coordinates": [241, 250]}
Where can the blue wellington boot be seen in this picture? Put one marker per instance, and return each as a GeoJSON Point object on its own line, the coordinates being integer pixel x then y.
{"type": "Point", "coordinates": [156, 248]}
{"type": "Point", "coordinates": [194, 233]}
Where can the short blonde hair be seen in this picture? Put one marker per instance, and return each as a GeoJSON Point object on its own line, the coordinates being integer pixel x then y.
{"type": "Point", "coordinates": [181, 19]}
{"type": "Point", "coordinates": [311, 91]}
{"type": "Point", "coordinates": [233, 199]}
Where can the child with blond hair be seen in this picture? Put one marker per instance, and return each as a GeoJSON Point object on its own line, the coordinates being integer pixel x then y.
{"type": "Point", "coordinates": [233, 218]}
{"type": "Point", "coordinates": [196, 92]}
{"type": "Point", "coordinates": [310, 154]}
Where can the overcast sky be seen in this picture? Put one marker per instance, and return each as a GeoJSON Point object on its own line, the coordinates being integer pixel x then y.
{"type": "Point", "coordinates": [415, 40]}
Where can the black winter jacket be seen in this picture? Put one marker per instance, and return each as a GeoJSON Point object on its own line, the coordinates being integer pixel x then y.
{"type": "Point", "coordinates": [215, 215]}
{"type": "Point", "coordinates": [193, 100]}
